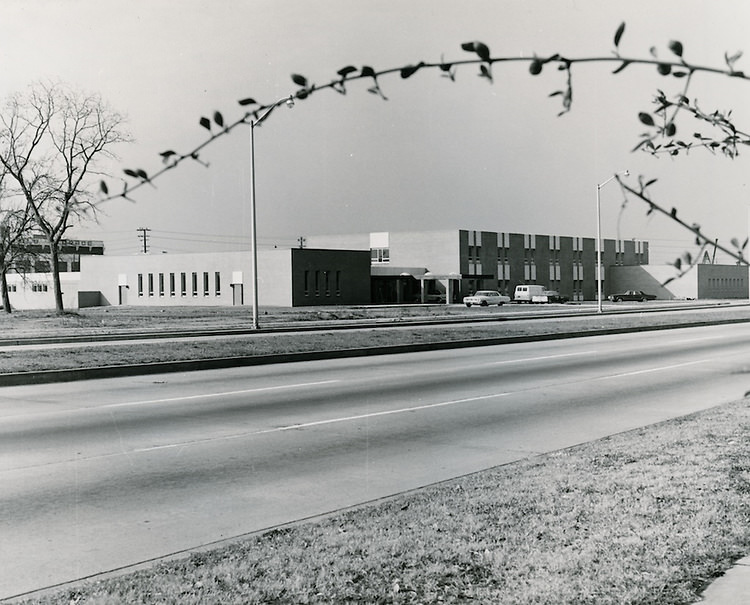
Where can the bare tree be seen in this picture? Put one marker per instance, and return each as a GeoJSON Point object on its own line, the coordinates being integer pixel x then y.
{"type": "Point", "coordinates": [52, 142]}
{"type": "Point", "coordinates": [14, 226]}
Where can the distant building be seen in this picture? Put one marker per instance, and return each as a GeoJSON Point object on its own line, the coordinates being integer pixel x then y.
{"type": "Point", "coordinates": [286, 278]}
{"type": "Point", "coordinates": [36, 260]}
{"type": "Point", "coordinates": [379, 268]}
{"type": "Point", "coordinates": [704, 281]}
{"type": "Point", "coordinates": [431, 265]}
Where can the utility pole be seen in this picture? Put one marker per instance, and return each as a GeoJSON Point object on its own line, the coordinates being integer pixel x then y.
{"type": "Point", "coordinates": [144, 237]}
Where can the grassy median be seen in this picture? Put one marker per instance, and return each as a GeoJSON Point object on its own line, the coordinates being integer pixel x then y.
{"type": "Point", "coordinates": [647, 516]}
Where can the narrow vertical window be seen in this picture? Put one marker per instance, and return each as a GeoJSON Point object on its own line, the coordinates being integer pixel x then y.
{"type": "Point", "coordinates": [338, 283]}
{"type": "Point", "coordinates": [205, 283]}
{"type": "Point", "coordinates": [171, 284]}
{"type": "Point", "coordinates": [140, 284]}
{"type": "Point", "coordinates": [217, 283]}
{"type": "Point", "coordinates": [161, 284]}
{"type": "Point", "coordinates": [183, 284]}
{"type": "Point", "coordinates": [194, 283]}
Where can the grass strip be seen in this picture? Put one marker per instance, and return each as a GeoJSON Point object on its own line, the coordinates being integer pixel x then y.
{"type": "Point", "coordinates": [649, 517]}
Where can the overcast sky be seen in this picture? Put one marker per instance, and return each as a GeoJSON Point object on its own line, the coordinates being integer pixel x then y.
{"type": "Point", "coordinates": [436, 155]}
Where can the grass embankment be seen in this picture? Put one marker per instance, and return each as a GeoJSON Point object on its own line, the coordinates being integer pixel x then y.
{"type": "Point", "coordinates": [644, 517]}
{"type": "Point", "coordinates": [648, 517]}
{"type": "Point", "coordinates": [126, 320]}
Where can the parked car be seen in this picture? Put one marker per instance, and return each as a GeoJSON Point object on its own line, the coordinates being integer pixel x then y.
{"type": "Point", "coordinates": [549, 296]}
{"type": "Point", "coordinates": [638, 295]}
{"type": "Point", "coordinates": [484, 298]}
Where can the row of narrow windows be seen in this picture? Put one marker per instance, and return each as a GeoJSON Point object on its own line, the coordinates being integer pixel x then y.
{"type": "Point", "coordinates": [726, 282]}
{"type": "Point", "coordinates": [161, 284]}
{"type": "Point", "coordinates": [322, 283]}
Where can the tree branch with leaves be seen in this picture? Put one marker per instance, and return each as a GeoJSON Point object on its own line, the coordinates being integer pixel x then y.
{"type": "Point", "coordinates": [662, 121]}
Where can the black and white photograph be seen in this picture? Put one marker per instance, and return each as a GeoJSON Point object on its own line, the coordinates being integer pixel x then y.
{"type": "Point", "coordinates": [374, 302]}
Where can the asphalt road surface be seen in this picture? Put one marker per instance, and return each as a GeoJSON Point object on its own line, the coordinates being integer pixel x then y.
{"type": "Point", "coordinates": [99, 475]}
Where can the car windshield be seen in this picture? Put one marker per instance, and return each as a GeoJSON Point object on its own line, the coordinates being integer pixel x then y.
{"type": "Point", "coordinates": [486, 293]}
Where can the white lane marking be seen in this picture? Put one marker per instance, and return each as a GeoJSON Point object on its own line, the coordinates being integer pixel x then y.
{"type": "Point", "coordinates": [650, 370]}
{"type": "Point", "coordinates": [107, 406]}
{"type": "Point", "coordinates": [541, 358]}
{"type": "Point", "coordinates": [210, 395]}
{"type": "Point", "coordinates": [303, 425]}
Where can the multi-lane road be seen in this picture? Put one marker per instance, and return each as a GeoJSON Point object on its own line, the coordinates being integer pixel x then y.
{"type": "Point", "coordinates": [103, 474]}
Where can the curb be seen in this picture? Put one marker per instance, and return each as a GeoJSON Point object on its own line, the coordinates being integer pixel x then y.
{"type": "Point", "coordinates": [121, 371]}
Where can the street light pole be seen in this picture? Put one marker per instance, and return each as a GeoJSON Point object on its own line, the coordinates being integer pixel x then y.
{"type": "Point", "coordinates": [599, 238]}
{"type": "Point", "coordinates": [289, 101]}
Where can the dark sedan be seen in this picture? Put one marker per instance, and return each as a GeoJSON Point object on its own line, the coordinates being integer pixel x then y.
{"type": "Point", "coordinates": [632, 295]}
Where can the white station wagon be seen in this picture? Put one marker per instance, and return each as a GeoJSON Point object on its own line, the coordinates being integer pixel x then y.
{"type": "Point", "coordinates": [484, 298]}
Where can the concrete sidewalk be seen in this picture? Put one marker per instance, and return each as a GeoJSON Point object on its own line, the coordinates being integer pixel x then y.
{"type": "Point", "coordinates": [733, 588]}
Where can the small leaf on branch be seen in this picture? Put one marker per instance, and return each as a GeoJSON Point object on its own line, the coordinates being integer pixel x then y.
{"type": "Point", "coordinates": [673, 212]}
{"type": "Point", "coordinates": [735, 242]}
{"type": "Point", "coordinates": [219, 119]}
{"type": "Point", "coordinates": [623, 65]}
{"type": "Point", "coordinates": [535, 67]}
{"type": "Point", "coordinates": [141, 174]}
{"type": "Point", "coordinates": [677, 264]}
{"type": "Point", "coordinates": [345, 71]}
{"type": "Point", "coordinates": [130, 172]}
{"type": "Point", "coordinates": [248, 101]}
{"type": "Point", "coordinates": [103, 187]}
{"type": "Point", "coordinates": [484, 72]}
{"type": "Point", "coordinates": [410, 70]}
{"type": "Point", "coordinates": [676, 47]}
{"type": "Point", "coordinates": [165, 155]}
{"type": "Point", "coordinates": [299, 80]}
{"type": "Point", "coordinates": [368, 71]}
{"type": "Point", "coordinates": [670, 129]}
{"type": "Point", "coordinates": [618, 34]}
{"type": "Point", "coordinates": [477, 47]}
{"type": "Point", "coordinates": [482, 50]}
{"type": "Point", "coordinates": [664, 69]}
{"type": "Point", "coordinates": [206, 123]}
{"type": "Point", "coordinates": [646, 118]}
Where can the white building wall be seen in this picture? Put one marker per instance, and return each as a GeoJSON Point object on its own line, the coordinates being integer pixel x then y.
{"type": "Point", "coordinates": [439, 251]}
{"type": "Point", "coordinates": [650, 278]}
{"type": "Point", "coordinates": [36, 291]}
{"type": "Point", "coordinates": [105, 274]}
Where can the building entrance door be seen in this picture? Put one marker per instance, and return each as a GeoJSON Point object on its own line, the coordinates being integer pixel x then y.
{"type": "Point", "coordinates": [237, 298]}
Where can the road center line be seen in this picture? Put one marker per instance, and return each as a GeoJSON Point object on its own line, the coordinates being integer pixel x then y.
{"type": "Point", "coordinates": [304, 425]}
{"type": "Point", "coordinates": [650, 370]}
{"type": "Point", "coordinates": [211, 395]}
{"type": "Point", "coordinates": [541, 358]}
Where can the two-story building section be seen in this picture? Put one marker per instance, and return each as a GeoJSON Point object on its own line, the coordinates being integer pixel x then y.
{"type": "Point", "coordinates": [431, 265]}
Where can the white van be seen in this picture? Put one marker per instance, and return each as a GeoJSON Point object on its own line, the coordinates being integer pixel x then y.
{"type": "Point", "coordinates": [527, 293]}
